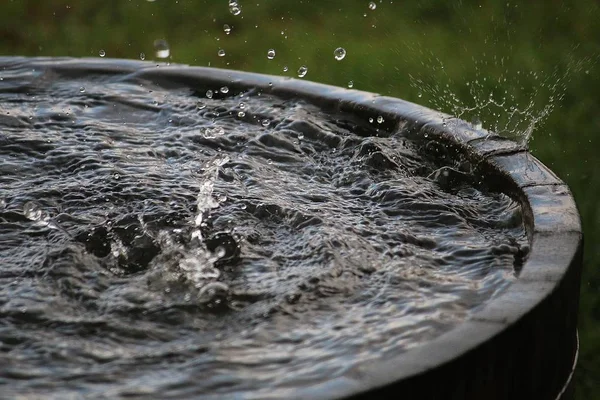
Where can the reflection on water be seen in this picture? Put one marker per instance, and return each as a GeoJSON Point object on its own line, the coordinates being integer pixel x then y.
{"type": "Point", "coordinates": [171, 243]}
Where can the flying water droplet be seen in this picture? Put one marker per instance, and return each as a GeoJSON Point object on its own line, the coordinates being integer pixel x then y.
{"type": "Point", "coordinates": [265, 122]}
{"type": "Point", "coordinates": [302, 71]}
{"type": "Point", "coordinates": [339, 53]}
{"type": "Point", "coordinates": [200, 105]}
{"type": "Point", "coordinates": [271, 54]}
{"type": "Point", "coordinates": [161, 47]}
{"type": "Point", "coordinates": [209, 94]}
{"type": "Point", "coordinates": [241, 114]}
{"type": "Point", "coordinates": [351, 84]}
{"type": "Point", "coordinates": [380, 119]}
{"type": "Point", "coordinates": [221, 53]}
{"type": "Point", "coordinates": [476, 122]}
{"type": "Point", "coordinates": [285, 68]}
{"type": "Point", "coordinates": [227, 29]}
{"type": "Point", "coordinates": [101, 53]}
{"type": "Point", "coordinates": [224, 90]}
{"type": "Point", "coordinates": [372, 5]}
{"type": "Point", "coordinates": [82, 90]}
{"type": "Point", "coordinates": [234, 7]}
{"type": "Point", "coordinates": [142, 56]}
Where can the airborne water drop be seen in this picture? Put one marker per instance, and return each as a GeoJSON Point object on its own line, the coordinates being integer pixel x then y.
{"type": "Point", "coordinates": [339, 53]}
{"type": "Point", "coordinates": [302, 71]}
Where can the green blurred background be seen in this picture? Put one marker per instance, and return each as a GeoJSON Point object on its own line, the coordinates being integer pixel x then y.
{"type": "Point", "coordinates": [514, 65]}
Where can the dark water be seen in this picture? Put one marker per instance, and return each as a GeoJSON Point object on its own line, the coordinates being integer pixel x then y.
{"type": "Point", "coordinates": [159, 243]}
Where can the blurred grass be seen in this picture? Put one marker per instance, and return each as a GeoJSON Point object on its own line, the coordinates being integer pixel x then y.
{"type": "Point", "coordinates": [423, 51]}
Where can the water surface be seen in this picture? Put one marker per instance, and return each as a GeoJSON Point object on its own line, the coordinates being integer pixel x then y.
{"type": "Point", "coordinates": [171, 243]}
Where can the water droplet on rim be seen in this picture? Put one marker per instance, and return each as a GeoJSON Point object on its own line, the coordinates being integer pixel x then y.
{"type": "Point", "coordinates": [161, 47]}
{"type": "Point", "coordinates": [476, 122]}
{"type": "Point", "coordinates": [339, 53]}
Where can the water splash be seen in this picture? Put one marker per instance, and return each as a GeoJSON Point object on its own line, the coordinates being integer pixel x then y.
{"type": "Point", "coordinates": [512, 104]}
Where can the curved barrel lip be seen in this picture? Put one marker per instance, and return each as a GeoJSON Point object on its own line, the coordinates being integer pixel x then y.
{"type": "Point", "coordinates": [551, 215]}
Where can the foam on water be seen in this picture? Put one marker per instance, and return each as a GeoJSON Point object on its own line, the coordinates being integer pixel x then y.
{"type": "Point", "coordinates": [156, 242]}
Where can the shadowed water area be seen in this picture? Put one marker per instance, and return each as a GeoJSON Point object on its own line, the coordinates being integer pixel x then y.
{"type": "Point", "coordinates": [161, 241]}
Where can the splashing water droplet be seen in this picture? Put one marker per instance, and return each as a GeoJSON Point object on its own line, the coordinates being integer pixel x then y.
{"type": "Point", "coordinates": [372, 5]}
{"type": "Point", "coordinates": [339, 53]}
{"type": "Point", "coordinates": [161, 47]}
{"type": "Point", "coordinates": [101, 53]}
{"type": "Point", "coordinates": [351, 84]}
{"type": "Point", "coordinates": [227, 29]}
{"type": "Point", "coordinates": [224, 89]}
{"type": "Point", "coordinates": [221, 53]}
{"type": "Point", "coordinates": [476, 122]}
{"type": "Point", "coordinates": [213, 132]}
{"type": "Point", "coordinates": [209, 94]}
{"type": "Point", "coordinates": [271, 54]}
{"type": "Point", "coordinates": [32, 211]}
{"type": "Point", "coordinates": [302, 71]}
{"type": "Point", "coordinates": [142, 56]}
